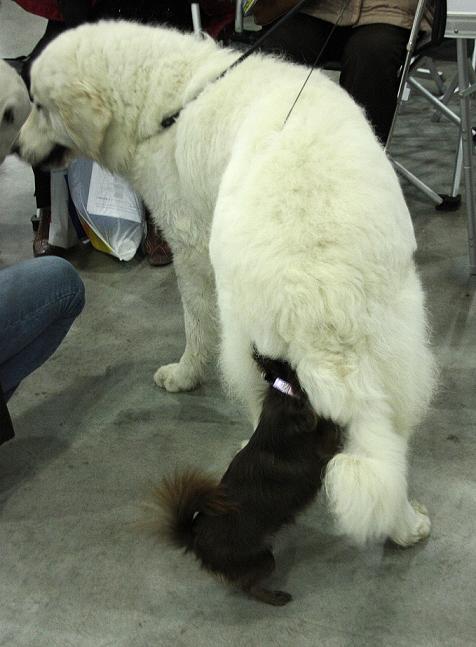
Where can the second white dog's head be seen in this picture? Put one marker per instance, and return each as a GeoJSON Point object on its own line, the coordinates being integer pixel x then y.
{"type": "Point", "coordinates": [14, 107]}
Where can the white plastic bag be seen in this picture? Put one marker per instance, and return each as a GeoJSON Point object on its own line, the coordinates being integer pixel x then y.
{"type": "Point", "coordinates": [111, 213]}
{"type": "Point", "coordinates": [62, 232]}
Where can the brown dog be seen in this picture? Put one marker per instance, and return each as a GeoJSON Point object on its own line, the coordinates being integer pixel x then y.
{"type": "Point", "coordinates": [228, 524]}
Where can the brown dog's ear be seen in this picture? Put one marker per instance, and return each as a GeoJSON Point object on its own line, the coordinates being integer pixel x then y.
{"type": "Point", "coordinates": [86, 118]}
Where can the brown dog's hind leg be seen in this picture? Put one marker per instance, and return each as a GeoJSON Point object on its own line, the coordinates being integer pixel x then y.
{"type": "Point", "coordinates": [251, 582]}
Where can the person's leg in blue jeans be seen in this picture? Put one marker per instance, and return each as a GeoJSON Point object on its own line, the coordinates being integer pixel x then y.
{"type": "Point", "coordinates": [39, 300]}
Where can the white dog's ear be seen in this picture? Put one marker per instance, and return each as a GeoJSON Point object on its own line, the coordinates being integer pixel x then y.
{"type": "Point", "coordinates": [86, 117]}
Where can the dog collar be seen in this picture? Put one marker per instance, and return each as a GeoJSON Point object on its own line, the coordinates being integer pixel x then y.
{"type": "Point", "coordinates": [169, 121]}
{"type": "Point", "coordinates": [284, 387]}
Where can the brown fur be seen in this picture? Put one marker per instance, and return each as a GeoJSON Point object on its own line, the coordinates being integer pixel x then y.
{"type": "Point", "coordinates": [268, 482]}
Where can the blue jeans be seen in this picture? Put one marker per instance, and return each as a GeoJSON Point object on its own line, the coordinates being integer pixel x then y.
{"type": "Point", "coordinates": [39, 300]}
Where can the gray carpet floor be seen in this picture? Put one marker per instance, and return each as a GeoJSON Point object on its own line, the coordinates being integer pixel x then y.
{"type": "Point", "coordinates": [93, 432]}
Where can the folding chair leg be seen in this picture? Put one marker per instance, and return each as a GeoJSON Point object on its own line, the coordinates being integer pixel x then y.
{"type": "Point", "coordinates": [420, 10]}
{"type": "Point", "coordinates": [442, 202]}
{"type": "Point", "coordinates": [439, 105]}
{"type": "Point", "coordinates": [467, 144]}
{"type": "Point", "coordinates": [434, 197]}
{"type": "Point", "coordinates": [238, 17]}
{"type": "Point", "coordinates": [436, 75]}
{"type": "Point", "coordinates": [458, 167]}
{"type": "Point", "coordinates": [473, 60]}
{"type": "Point", "coordinates": [445, 98]}
{"type": "Point", "coordinates": [196, 18]}
{"type": "Point", "coordinates": [428, 70]}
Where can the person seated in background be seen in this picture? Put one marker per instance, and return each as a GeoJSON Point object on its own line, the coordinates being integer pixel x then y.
{"type": "Point", "coordinates": [369, 42]}
{"type": "Point", "coordinates": [39, 298]}
{"type": "Point", "coordinates": [67, 14]}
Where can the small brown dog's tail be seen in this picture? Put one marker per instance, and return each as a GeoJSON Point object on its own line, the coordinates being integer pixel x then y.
{"type": "Point", "coordinates": [181, 496]}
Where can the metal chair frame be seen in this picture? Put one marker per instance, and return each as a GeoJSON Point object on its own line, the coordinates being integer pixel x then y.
{"type": "Point", "coordinates": [416, 50]}
{"type": "Point", "coordinates": [417, 44]}
{"type": "Point", "coordinates": [416, 47]}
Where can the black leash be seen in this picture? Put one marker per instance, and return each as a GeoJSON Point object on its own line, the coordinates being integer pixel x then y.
{"type": "Point", "coordinates": [313, 66]}
{"type": "Point", "coordinates": [167, 122]}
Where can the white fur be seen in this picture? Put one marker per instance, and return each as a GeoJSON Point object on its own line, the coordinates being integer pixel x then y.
{"type": "Point", "coordinates": [311, 243]}
{"type": "Point", "coordinates": [14, 101]}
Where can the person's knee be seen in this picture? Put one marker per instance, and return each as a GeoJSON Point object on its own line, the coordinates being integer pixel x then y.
{"type": "Point", "coordinates": [61, 273]}
{"type": "Point", "coordinates": [77, 290]}
{"type": "Point", "coordinates": [80, 295]}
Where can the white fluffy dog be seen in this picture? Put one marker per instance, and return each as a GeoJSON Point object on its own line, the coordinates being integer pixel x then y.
{"type": "Point", "coordinates": [299, 231]}
{"type": "Point", "coordinates": [14, 107]}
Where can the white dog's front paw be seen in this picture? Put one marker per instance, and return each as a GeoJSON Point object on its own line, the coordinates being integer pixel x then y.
{"type": "Point", "coordinates": [176, 377]}
{"type": "Point", "coordinates": [417, 527]}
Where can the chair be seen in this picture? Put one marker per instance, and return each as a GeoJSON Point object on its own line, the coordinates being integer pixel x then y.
{"type": "Point", "coordinates": [440, 102]}
{"type": "Point", "coordinates": [196, 18]}
{"type": "Point", "coordinates": [421, 44]}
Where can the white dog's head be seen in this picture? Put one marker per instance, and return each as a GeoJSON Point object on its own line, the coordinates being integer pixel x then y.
{"type": "Point", "coordinates": [100, 90]}
{"type": "Point", "coordinates": [14, 107]}
{"type": "Point", "coordinates": [69, 116]}
{"type": "Point", "coordinates": [70, 91]}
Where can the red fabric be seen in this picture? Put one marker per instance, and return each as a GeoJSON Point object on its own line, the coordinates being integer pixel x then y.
{"type": "Point", "coordinates": [216, 28]}
{"type": "Point", "coordinates": [216, 7]}
{"type": "Point", "coordinates": [218, 16]}
{"type": "Point", "coordinates": [219, 11]}
{"type": "Point", "coordinates": [45, 8]}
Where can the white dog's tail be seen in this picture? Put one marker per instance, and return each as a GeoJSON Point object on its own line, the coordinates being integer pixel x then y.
{"type": "Point", "coordinates": [366, 483]}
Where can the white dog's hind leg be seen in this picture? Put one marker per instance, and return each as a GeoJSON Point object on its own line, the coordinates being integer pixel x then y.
{"type": "Point", "coordinates": [413, 524]}
{"type": "Point", "coordinates": [239, 369]}
{"type": "Point", "coordinates": [366, 484]}
{"type": "Point", "coordinates": [198, 299]}
{"type": "Point", "coordinates": [240, 372]}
